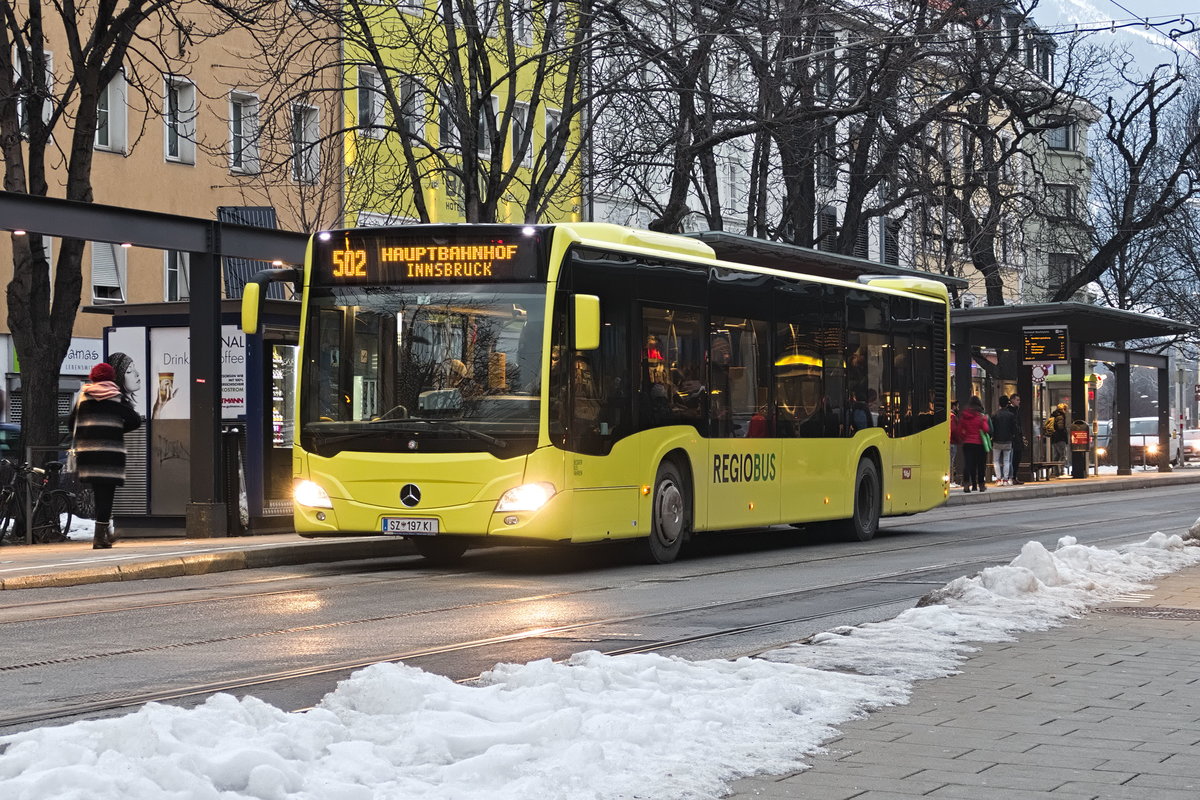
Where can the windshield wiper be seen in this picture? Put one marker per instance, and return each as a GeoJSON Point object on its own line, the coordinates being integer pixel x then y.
{"type": "Point", "coordinates": [480, 435]}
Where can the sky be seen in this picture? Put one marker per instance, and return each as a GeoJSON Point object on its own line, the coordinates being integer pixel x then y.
{"type": "Point", "coordinates": [592, 728]}
{"type": "Point", "coordinates": [1145, 43]}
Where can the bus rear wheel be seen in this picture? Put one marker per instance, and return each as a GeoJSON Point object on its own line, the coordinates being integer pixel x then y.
{"type": "Point", "coordinates": [868, 504]}
{"type": "Point", "coordinates": [670, 514]}
{"type": "Point", "coordinates": [439, 550]}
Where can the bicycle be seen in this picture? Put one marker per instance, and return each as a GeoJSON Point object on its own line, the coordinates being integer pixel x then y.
{"type": "Point", "coordinates": [52, 507]}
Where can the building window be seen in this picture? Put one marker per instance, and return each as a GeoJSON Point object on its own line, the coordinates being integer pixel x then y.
{"type": "Point", "coordinates": [553, 132]}
{"type": "Point", "coordinates": [177, 283]}
{"type": "Point", "coordinates": [827, 228]}
{"type": "Point", "coordinates": [447, 118]}
{"type": "Point", "coordinates": [487, 124]}
{"type": "Point", "coordinates": [243, 133]}
{"type": "Point", "coordinates": [108, 273]}
{"type": "Point", "coordinates": [111, 117]}
{"type": "Point", "coordinates": [522, 143]}
{"type": "Point", "coordinates": [305, 153]}
{"type": "Point", "coordinates": [39, 86]}
{"type": "Point", "coordinates": [826, 166]}
{"type": "Point", "coordinates": [1062, 200]}
{"type": "Point", "coordinates": [522, 12]}
{"type": "Point", "coordinates": [890, 246]}
{"type": "Point", "coordinates": [1061, 137]}
{"type": "Point", "coordinates": [179, 120]}
{"type": "Point", "coordinates": [824, 64]}
{"type": "Point", "coordinates": [1061, 268]}
{"type": "Point", "coordinates": [370, 102]}
{"type": "Point", "coordinates": [412, 108]}
{"type": "Point", "coordinates": [862, 241]}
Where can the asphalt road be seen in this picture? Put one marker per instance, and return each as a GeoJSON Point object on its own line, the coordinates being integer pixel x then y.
{"type": "Point", "coordinates": [288, 634]}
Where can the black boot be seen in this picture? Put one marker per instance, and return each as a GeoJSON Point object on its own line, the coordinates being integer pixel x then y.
{"type": "Point", "coordinates": [100, 540]}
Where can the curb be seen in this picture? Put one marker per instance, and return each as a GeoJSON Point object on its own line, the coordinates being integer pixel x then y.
{"type": "Point", "coordinates": [1069, 486]}
{"type": "Point", "coordinates": [207, 563]}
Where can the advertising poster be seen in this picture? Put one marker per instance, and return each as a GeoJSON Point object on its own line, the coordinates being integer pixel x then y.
{"type": "Point", "coordinates": [126, 351]}
{"type": "Point", "coordinates": [233, 373]}
{"type": "Point", "coordinates": [168, 384]}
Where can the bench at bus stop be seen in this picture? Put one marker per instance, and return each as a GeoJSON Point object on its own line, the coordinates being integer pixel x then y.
{"type": "Point", "coordinates": [1040, 470]}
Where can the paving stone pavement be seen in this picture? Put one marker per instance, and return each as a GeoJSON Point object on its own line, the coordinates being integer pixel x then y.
{"type": "Point", "coordinates": [1105, 707]}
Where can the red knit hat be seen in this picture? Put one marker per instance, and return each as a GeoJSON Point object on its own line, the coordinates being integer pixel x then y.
{"type": "Point", "coordinates": [102, 372]}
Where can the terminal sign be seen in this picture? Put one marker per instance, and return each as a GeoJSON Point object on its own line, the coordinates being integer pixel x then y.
{"type": "Point", "coordinates": [382, 259]}
{"type": "Point", "coordinates": [1046, 345]}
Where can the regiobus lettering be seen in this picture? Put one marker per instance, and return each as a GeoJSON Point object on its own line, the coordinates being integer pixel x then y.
{"type": "Point", "coordinates": [736, 467]}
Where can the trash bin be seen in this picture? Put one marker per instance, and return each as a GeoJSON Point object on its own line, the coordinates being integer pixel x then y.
{"type": "Point", "coordinates": [1081, 437]}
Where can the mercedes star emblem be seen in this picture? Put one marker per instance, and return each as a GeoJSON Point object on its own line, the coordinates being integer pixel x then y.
{"type": "Point", "coordinates": [410, 495]}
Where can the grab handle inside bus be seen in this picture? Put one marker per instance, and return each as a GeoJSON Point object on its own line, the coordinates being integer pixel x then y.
{"type": "Point", "coordinates": [587, 322]}
{"type": "Point", "coordinates": [252, 294]}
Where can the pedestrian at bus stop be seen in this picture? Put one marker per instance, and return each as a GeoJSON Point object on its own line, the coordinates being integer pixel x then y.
{"type": "Point", "coordinates": [1058, 428]}
{"type": "Point", "coordinates": [1004, 426]}
{"type": "Point", "coordinates": [1018, 442]}
{"type": "Point", "coordinates": [100, 419]}
{"type": "Point", "coordinates": [955, 442]}
{"type": "Point", "coordinates": [973, 422]}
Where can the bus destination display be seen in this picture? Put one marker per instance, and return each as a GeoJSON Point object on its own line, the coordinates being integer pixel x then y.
{"type": "Point", "coordinates": [390, 259]}
{"type": "Point", "coordinates": [1046, 345]}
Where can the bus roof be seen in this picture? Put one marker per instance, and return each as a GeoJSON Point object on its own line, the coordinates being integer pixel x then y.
{"type": "Point", "coordinates": [603, 234]}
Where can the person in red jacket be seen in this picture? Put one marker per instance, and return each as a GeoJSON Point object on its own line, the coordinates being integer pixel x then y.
{"type": "Point", "coordinates": [972, 422]}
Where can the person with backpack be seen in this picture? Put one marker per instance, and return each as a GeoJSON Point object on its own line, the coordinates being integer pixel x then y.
{"type": "Point", "coordinates": [1004, 428]}
{"type": "Point", "coordinates": [973, 422]}
{"type": "Point", "coordinates": [1058, 431]}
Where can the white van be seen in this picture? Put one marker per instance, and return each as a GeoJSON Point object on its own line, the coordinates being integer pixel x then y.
{"type": "Point", "coordinates": [1143, 442]}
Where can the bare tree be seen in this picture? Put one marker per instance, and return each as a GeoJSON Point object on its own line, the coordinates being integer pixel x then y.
{"type": "Point", "coordinates": [1147, 154]}
{"type": "Point", "coordinates": [484, 101]}
{"type": "Point", "coordinates": [48, 121]}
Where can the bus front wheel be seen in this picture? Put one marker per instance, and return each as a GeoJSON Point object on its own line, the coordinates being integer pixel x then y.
{"type": "Point", "coordinates": [670, 519]}
{"type": "Point", "coordinates": [439, 550]}
{"type": "Point", "coordinates": [868, 502]}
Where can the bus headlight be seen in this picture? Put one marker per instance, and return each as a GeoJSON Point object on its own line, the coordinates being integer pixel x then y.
{"type": "Point", "coordinates": [1101, 452]}
{"type": "Point", "coordinates": [310, 494]}
{"type": "Point", "coordinates": [1152, 449]}
{"type": "Point", "coordinates": [526, 497]}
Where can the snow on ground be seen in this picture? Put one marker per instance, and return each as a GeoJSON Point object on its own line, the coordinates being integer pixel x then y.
{"type": "Point", "coordinates": [595, 727]}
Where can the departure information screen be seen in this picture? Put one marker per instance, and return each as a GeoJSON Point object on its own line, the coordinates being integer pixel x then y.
{"type": "Point", "coordinates": [1046, 345]}
{"type": "Point", "coordinates": [429, 254]}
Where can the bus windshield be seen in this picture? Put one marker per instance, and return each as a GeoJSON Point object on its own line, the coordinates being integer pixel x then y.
{"type": "Point", "coordinates": [435, 368]}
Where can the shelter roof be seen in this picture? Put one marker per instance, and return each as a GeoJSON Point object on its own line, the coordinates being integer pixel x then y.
{"type": "Point", "coordinates": [779, 255]}
{"type": "Point", "coordinates": [1088, 324]}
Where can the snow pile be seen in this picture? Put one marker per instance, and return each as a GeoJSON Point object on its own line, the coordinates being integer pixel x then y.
{"type": "Point", "coordinates": [592, 728]}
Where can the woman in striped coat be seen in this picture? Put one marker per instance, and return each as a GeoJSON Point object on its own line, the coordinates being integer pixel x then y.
{"type": "Point", "coordinates": [100, 420]}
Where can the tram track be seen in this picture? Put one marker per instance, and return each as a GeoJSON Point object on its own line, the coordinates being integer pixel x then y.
{"type": "Point", "coordinates": [929, 576]}
{"type": "Point", "coordinates": [893, 547]}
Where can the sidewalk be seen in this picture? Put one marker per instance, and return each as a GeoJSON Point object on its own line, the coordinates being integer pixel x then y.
{"type": "Point", "coordinates": [1107, 706]}
{"type": "Point", "coordinates": [72, 563]}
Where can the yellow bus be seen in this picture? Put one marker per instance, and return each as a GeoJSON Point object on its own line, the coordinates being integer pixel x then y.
{"type": "Point", "coordinates": [586, 382]}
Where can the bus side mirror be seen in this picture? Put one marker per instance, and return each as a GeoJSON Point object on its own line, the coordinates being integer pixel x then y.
{"type": "Point", "coordinates": [251, 302]}
{"type": "Point", "coordinates": [252, 293]}
{"type": "Point", "coordinates": [587, 322]}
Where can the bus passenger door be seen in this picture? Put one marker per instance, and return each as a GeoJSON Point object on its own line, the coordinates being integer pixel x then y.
{"type": "Point", "coordinates": [744, 470]}
{"type": "Point", "coordinates": [598, 412]}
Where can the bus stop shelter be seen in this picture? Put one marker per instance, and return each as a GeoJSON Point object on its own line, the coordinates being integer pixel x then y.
{"type": "Point", "coordinates": [1068, 333]}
